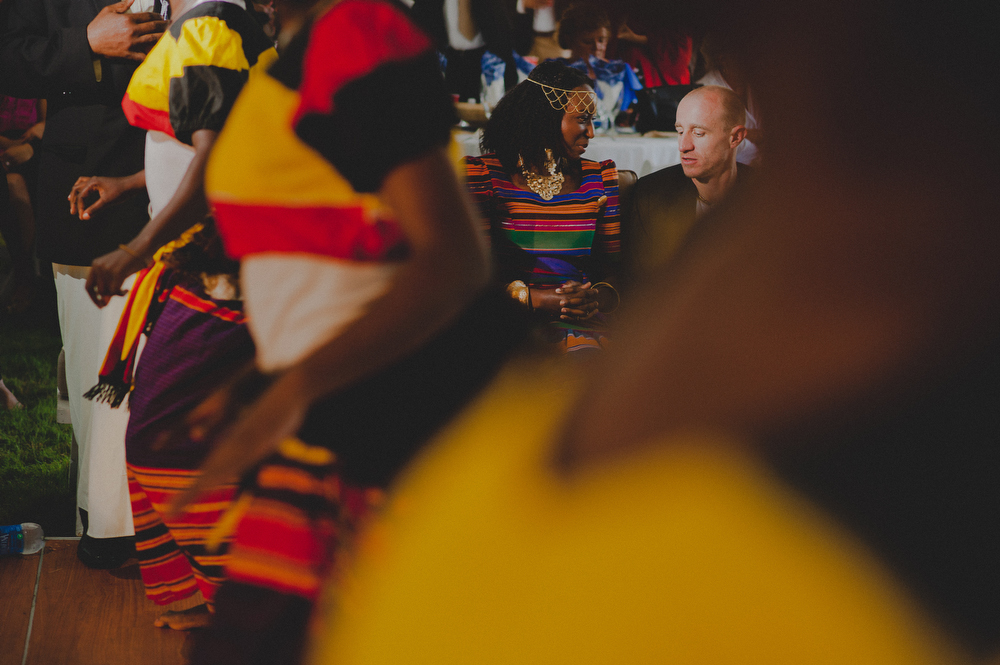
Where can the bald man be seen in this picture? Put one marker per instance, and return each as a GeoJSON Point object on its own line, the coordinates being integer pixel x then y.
{"type": "Point", "coordinates": [665, 205]}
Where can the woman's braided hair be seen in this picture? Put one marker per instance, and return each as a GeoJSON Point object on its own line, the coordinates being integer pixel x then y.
{"type": "Point", "coordinates": [524, 123]}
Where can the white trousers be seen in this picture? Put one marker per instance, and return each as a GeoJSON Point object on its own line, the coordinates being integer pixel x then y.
{"type": "Point", "coordinates": [102, 486]}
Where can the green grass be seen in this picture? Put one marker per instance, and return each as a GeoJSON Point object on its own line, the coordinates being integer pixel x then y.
{"type": "Point", "coordinates": [35, 484]}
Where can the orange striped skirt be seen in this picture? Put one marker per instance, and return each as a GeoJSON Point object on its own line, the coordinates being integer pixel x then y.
{"type": "Point", "coordinates": [175, 558]}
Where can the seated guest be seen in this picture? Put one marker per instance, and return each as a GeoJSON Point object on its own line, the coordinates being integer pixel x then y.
{"type": "Point", "coordinates": [22, 123]}
{"type": "Point", "coordinates": [666, 204]}
{"type": "Point", "coordinates": [656, 41]}
{"type": "Point", "coordinates": [552, 216]}
{"type": "Point", "coordinates": [585, 30]}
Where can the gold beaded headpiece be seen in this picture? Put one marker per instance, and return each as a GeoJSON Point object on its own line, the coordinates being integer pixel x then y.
{"type": "Point", "coordinates": [569, 101]}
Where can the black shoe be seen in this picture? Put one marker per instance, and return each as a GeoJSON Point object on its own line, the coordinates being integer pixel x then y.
{"type": "Point", "coordinates": [105, 553]}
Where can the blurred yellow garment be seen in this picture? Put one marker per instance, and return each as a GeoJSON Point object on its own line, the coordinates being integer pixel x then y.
{"type": "Point", "coordinates": [688, 552]}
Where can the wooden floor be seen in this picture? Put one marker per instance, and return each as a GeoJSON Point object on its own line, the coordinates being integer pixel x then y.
{"type": "Point", "coordinates": [56, 611]}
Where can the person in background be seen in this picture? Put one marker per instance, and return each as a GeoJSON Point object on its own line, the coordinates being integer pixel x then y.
{"type": "Point", "coordinates": [726, 67]}
{"type": "Point", "coordinates": [584, 30]}
{"type": "Point", "coordinates": [463, 30]}
{"type": "Point", "coordinates": [22, 124]}
{"type": "Point", "coordinates": [7, 399]}
{"type": "Point", "coordinates": [665, 206]}
{"type": "Point", "coordinates": [536, 24]}
{"type": "Point", "coordinates": [656, 39]}
{"type": "Point", "coordinates": [791, 454]}
{"type": "Point", "coordinates": [80, 57]}
{"type": "Point", "coordinates": [552, 216]}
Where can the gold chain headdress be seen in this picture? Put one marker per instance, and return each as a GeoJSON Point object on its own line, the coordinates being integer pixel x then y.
{"type": "Point", "coordinates": [569, 101]}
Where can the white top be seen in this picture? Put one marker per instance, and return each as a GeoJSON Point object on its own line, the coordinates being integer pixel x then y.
{"type": "Point", "coordinates": [456, 39]}
{"type": "Point", "coordinates": [295, 303]}
{"type": "Point", "coordinates": [544, 19]}
{"type": "Point", "coordinates": [140, 6]}
{"type": "Point", "coordinates": [194, 4]}
{"type": "Point", "coordinates": [167, 160]}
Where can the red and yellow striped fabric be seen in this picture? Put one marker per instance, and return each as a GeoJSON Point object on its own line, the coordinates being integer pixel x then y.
{"type": "Point", "coordinates": [283, 196]}
{"type": "Point", "coordinates": [174, 554]}
{"type": "Point", "coordinates": [197, 303]}
{"type": "Point", "coordinates": [294, 520]}
{"type": "Point", "coordinates": [340, 111]}
{"type": "Point", "coordinates": [192, 76]}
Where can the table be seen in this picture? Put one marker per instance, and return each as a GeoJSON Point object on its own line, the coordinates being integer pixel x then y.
{"type": "Point", "coordinates": [635, 153]}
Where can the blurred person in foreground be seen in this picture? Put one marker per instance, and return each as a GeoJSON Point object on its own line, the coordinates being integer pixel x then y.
{"type": "Point", "coordinates": [551, 215]}
{"type": "Point", "coordinates": [665, 205]}
{"type": "Point", "coordinates": [363, 277]}
{"type": "Point", "coordinates": [80, 56]}
{"type": "Point", "coordinates": [791, 454]}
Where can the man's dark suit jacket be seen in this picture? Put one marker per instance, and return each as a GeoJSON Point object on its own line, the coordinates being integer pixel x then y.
{"type": "Point", "coordinates": [661, 219]}
{"type": "Point", "coordinates": [44, 53]}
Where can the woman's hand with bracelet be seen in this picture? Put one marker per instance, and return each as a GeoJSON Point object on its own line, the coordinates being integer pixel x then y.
{"type": "Point", "coordinates": [572, 301]}
{"type": "Point", "coordinates": [108, 272]}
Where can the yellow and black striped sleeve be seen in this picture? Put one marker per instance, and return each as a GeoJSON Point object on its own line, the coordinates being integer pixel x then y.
{"type": "Point", "coordinates": [192, 77]}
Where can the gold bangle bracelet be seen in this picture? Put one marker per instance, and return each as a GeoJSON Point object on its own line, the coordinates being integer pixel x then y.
{"type": "Point", "coordinates": [520, 292]}
{"type": "Point", "coordinates": [618, 298]}
{"type": "Point", "coordinates": [128, 251]}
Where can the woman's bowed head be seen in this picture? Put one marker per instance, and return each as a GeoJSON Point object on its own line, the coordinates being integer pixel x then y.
{"type": "Point", "coordinates": [553, 110]}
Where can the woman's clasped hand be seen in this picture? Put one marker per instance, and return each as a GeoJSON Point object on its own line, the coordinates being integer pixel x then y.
{"type": "Point", "coordinates": [572, 301]}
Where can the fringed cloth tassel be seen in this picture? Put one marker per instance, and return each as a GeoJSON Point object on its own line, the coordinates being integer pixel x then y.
{"type": "Point", "coordinates": [145, 301]}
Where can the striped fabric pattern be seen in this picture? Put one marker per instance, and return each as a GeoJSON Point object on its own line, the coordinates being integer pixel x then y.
{"type": "Point", "coordinates": [192, 76]}
{"type": "Point", "coordinates": [283, 196]}
{"type": "Point", "coordinates": [291, 527]}
{"type": "Point", "coordinates": [193, 345]}
{"type": "Point", "coordinates": [547, 243]}
{"type": "Point", "coordinates": [198, 303]}
{"type": "Point", "coordinates": [340, 111]}
{"type": "Point", "coordinates": [568, 227]}
{"type": "Point", "coordinates": [174, 558]}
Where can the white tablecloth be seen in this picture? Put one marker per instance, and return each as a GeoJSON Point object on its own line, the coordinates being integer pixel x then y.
{"type": "Point", "coordinates": [635, 153]}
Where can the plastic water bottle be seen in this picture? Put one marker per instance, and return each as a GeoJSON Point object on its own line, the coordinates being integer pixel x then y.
{"type": "Point", "coordinates": [24, 538]}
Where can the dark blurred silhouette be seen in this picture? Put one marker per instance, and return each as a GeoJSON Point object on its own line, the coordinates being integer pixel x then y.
{"type": "Point", "coordinates": [823, 359]}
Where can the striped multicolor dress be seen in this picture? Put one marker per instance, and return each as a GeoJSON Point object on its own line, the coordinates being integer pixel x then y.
{"type": "Point", "coordinates": [573, 236]}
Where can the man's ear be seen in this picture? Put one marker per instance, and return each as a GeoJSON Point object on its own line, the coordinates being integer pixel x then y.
{"type": "Point", "coordinates": [736, 135]}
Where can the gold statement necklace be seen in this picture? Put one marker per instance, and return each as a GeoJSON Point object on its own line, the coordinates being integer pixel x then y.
{"type": "Point", "coordinates": [546, 186]}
